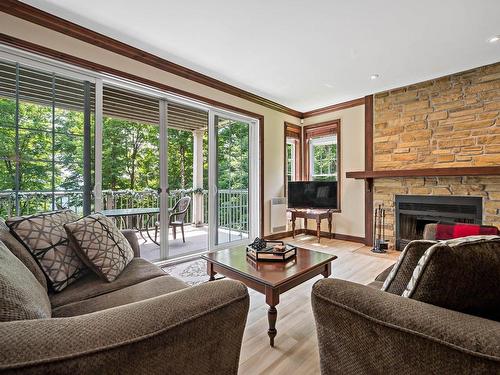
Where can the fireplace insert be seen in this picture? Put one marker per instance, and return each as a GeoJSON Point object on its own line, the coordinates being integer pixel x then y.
{"type": "Point", "coordinates": [413, 212]}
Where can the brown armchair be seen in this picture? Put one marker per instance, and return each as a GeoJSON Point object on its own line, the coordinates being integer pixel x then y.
{"type": "Point", "coordinates": [364, 330]}
{"type": "Point", "coordinates": [176, 217]}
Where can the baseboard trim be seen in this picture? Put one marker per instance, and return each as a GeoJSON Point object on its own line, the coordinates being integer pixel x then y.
{"type": "Point", "coordinates": [338, 236]}
{"type": "Point", "coordinates": [278, 236]}
{"type": "Point", "coordinates": [347, 237]}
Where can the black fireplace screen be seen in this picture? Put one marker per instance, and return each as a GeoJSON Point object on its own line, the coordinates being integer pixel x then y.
{"type": "Point", "coordinates": [413, 212]}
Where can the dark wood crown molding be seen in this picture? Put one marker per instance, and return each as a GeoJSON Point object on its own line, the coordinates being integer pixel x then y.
{"type": "Point", "coordinates": [334, 107]}
{"type": "Point", "coordinates": [86, 64]}
{"type": "Point", "coordinates": [50, 21]}
{"type": "Point", "coordinates": [368, 167]}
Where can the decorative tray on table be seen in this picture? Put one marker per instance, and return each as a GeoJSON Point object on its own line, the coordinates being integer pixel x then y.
{"type": "Point", "coordinates": [273, 251]}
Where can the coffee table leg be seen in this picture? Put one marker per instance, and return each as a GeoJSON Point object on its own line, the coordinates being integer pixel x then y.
{"type": "Point", "coordinates": [272, 315]}
{"type": "Point", "coordinates": [318, 229]}
{"type": "Point", "coordinates": [210, 271]}
{"type": "Point", "coordinates": [328, 270]}
{"type": "Point", "coordinates": [272, 299]}
{"type": "Point", "coordinates": [330, 225]}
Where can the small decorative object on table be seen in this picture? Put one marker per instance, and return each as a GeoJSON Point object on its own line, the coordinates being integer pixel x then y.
{"type": "Point", "coordinates": [262, 250]}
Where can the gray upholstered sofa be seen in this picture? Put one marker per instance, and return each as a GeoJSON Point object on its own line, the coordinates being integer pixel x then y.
{"type": "Point", "coordinates": [364, 330]}
{"type": "Point", "coordinates": [145, 322]}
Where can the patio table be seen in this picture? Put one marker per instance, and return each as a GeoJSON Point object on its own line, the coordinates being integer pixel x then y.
{"type": "Point", "coordinates": [127, 212]}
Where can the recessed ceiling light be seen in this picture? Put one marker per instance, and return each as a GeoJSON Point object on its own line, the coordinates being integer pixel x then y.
{"type": "Point", "coordinates": [494, 39]}
{"type": "Point", "coordinates": [374, 76]}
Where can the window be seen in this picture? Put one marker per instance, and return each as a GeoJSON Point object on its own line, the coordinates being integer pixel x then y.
{"type": "Point", "coordinates": [323, 161]}
{"type": "Point", "coordinates": [291, 149]}
{"type": "Point", "coordinates": [293, 160]}
{"type": "Point", "coordinates": [322, 152]}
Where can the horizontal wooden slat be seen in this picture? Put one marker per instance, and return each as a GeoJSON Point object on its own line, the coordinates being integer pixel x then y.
{"type": "Point", "coordinates": [44, 88]}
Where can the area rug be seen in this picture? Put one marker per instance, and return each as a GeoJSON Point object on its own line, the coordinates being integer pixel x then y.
{"type": "Point", "coordinates": [192, 272]}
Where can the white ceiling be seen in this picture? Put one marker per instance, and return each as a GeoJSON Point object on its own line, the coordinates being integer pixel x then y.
{"type": "Point", "coordinates": [303, 54]}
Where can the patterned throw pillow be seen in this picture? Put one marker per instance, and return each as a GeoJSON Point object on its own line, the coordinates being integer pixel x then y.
{"type": "Point", "coordinates": [461, 274]}
{"type": "Point", "coordinates": [101, 245]}
{"type": "Point", "coordinates": [44, 236]}
{"type": "Point", "coordinates": [402, 271]}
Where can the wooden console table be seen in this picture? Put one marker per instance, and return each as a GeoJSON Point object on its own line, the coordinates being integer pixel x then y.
{"type": "Point", "coordinates": [313, 214]}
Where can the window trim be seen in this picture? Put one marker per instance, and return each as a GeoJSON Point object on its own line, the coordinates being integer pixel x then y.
{"type": "Point", "coordinates": [292, 131]}
{"type": "Point", "coordinates": [323, 130]}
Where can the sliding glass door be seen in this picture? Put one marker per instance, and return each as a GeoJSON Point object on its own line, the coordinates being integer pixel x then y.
{"type": "Point", "coordinates": [183, 174]}
{"type": "Point", "coordinates": [187, 155]}
{"type": "Point", "coordinates": [130, 164]}
{"type": "Point", "coordinates": [234, 181]}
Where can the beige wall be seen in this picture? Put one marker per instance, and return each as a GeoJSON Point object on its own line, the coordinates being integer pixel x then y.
{"type": "Point", "coordinates": [351, 221]}
{"type": "Point", "coordinates": [273, 120]}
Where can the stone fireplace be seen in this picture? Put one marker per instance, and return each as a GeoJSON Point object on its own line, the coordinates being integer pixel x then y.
{"type": "Point", "coordinates": [486, 189]}
{"type": "Point", "coordinates": [413, 212]}
{"type": "Point", "coordinates": [448, 123]}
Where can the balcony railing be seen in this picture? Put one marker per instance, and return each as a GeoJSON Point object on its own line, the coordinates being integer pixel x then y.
{"type": "Point", "coordinates": [233, 205]}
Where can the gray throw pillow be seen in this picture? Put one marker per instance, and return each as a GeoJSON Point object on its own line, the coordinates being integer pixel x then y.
{"type": "Point", "coordinates": [101, 245]}
{"type": "Point", "coordinates": [461, 274]}
{"type": "Point", "coordinates": [21, 295]}
{"type": "Point", "coordinates": [45, 238]}
{"type": "Point", "coordinates": [401, 273]}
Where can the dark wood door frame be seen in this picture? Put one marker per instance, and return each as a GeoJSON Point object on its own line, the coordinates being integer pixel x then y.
{"type": "Point", "coordinates": [368, 167]}
{"type": "Point", "coordinates": [297, 130]}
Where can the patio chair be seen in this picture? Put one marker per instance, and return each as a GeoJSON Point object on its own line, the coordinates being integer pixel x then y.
{"type": "Point", "coordinates": [176, 217]}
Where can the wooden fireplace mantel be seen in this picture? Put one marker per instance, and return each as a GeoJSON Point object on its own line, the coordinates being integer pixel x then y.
{"type": "Point", "coordinates": [369, 176]}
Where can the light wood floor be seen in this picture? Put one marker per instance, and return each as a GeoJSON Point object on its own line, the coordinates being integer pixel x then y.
{"type": "Point", "coordinates": [296, 348]}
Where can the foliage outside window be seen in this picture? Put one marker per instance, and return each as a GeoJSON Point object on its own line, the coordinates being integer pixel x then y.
{"type": "Point", "coordinates": [42, 144]}
{"type": "Point", "coordinates": [290, 160]}
{"type": "Point", "coordinates": [323, 158]}
{"type": "Point", "coordinates": [232, 154]}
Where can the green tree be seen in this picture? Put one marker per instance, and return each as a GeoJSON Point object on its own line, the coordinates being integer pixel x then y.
{"type": "Point", "coordinates": [325, 162]}
{"type": "Point", "coordinates": [232, 154]}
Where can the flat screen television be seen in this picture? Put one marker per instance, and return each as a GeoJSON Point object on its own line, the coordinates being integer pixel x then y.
{"type": "Point", "coordinates": [312, 194]}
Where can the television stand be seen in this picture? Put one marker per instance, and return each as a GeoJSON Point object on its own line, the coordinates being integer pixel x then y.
{"type": "Point", "coordinates": [313, 214]}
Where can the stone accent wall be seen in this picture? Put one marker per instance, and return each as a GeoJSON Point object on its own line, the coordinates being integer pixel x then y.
{"type": "Point", "coordinates": [447, 122]}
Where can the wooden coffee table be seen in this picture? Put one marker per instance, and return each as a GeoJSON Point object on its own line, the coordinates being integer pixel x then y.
{"type": "Point", "coordinates": [269, 278]}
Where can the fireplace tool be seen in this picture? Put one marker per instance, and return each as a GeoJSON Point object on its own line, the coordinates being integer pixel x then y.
{"type": "Point", "coordinates": [380, 245]}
